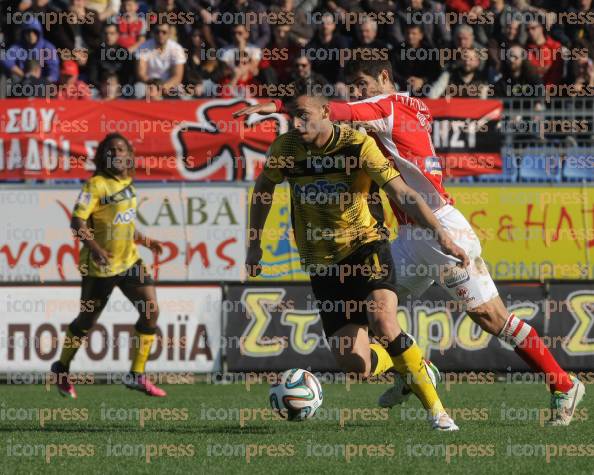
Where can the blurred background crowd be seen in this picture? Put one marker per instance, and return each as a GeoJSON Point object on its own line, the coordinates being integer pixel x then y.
{"type": "Point", "coordinates": [184, 49]}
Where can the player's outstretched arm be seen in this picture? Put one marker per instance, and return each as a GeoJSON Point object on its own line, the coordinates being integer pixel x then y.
{"type": "Point", "coordinates": [263, 108]}
{"type": "Point", "coordinates": [260, 205]}
{"type": "Point", "coordinates": [373, 114]}
{"type": "Point", "coordinates": [409, 201]}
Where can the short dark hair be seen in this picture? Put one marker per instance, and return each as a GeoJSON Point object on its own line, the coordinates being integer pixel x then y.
{"type": "Point", "coordinates": [304, 87]}
{"type": "Point", "coordinates": [371, 68]}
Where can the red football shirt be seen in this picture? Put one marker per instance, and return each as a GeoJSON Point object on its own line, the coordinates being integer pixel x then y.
{"type": "Point", "coordinates": [401, 126]}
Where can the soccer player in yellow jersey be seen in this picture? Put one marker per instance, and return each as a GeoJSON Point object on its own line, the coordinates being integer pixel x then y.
{"type": "Point", "coordinates": [334, 173]}
{"type": "Point", "coordinates": [103, 219]}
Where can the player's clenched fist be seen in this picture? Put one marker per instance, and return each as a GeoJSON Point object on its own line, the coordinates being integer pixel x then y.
{"type": "Point", "coordinates": [252, 261]}
{"type": "Point", "coordinates": [451, 248]}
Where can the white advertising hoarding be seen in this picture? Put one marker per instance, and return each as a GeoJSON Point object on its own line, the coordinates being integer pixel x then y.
{"type": "Point", "coordinates": [33, 321]}
{"type": "Point", "coordinates": [202, 229]}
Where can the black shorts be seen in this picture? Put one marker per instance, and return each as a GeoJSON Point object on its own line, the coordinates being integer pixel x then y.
{"type": "Point", "coordinates": [341, 299]}
{"type": "Point", "coordinates": [99, 289]}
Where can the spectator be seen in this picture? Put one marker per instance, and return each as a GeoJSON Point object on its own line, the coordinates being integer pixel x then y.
{"type": "Point", "coordinates": [582, 70]}
{"type": "Point", "coordinates": [110, 57]}
{"type": "Point", "coordinates": [323, 50]}
{"type": "Point", "coordinates": [131, 27]}
{"type": "Point", "coordinates": [475, 8]}
{"type": "Point", "coordinates": [518, 77]}
{"type": "Point", "coordinates": [161, 58]}
{"type": "Point", "coordinates": [79, 39]}
{"type": "Point", "coordinates": [302, 70]}
{"type": "Point", "coordinates": [512, 33]}
{"type": "Point", "coordinates": [465, 80]}
{"type": "Point", "coordinates": [367, 36]}
{"type": "Point", "coordinates": [154, 90]}
{"type": "Point", "coordinates": [247, 57]}
{"type": "Point", "coordinates": [300, 29]}
{"type": "Point", "coordinates": [32, 45]}
{"type": "Point", "coordinates": [259, 32]}
{"type": "Point", "coordinates": [502, 14]}
{"type": "Point", "coordinates": [545, 54]}
{"type": "Point", "coordinates": [286, 51]}
{"type": "Point", "coordinates": [582, 30]}
{"type": "Point", "coordinates": [104, 8]}
{"type": "Point", "coordinates": [201, 71]}
{"type": "Point", "coordinates": [464, 38]}
{"type": "Point", "coordinates": [70, 87]}
{"type": "Point", "coordinates": [241, 35]}
{"type": "Point", "coordinates": [415, 65]}
{"type": "Point", "coordinates": [174, 12]}
{"type": "Point", "coordinates": [32, 84]}
{"type": "Point", "coordinates": [110, 87]}
{"type": "Point", "coordinates": [435, 32]}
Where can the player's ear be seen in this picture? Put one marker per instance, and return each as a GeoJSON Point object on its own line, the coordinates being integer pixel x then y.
{"type": "Point", "coordinates": [326, 110]}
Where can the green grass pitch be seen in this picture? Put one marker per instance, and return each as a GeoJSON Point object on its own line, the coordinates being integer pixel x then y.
{"type": "Point", "coordinates": [199, 431]}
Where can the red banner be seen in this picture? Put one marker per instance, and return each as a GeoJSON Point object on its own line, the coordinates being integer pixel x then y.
{"type": "Point", "coordinates": [197, 140]}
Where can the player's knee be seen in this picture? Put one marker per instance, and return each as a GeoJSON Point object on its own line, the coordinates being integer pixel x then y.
{"type": "Point", "coordinates": [153, 313]}
{"type": "Point", "coordinates": [149, 311]}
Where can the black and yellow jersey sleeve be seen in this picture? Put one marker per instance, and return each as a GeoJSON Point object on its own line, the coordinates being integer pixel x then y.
{"type": "Point", "coordinates": [108, 205]}
{"type": "Point", "coordinates": [87, 200]}
{"type": "Point", "coordinates": [274, 162]}
{"type": "Point", "coordinates": [335, 202]}
{"type": "Point", "coordinates": [375, 164]}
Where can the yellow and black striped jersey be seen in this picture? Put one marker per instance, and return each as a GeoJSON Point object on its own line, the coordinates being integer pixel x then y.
{"type": "Point", "coordinates": [108, 204]}
{"type": "Point", "coordinates": [335, 204]}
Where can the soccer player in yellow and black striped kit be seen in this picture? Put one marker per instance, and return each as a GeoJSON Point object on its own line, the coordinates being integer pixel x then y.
{"type": "Point", "coordinates": [103, 219]}
{"type": "Point", "coordinates": [334, 174]}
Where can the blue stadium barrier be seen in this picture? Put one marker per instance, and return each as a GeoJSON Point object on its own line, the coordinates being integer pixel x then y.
{"type": "Point", "coordinates": [579, 164]}
{"type": "Point", "coordinates": [509, 171]}
{"type": "Point", "coordinates": [460, 179]}
{"type": "Point", "coordinates": [540, 165]}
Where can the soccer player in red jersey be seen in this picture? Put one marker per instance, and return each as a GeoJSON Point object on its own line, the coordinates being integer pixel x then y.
{"type": "Point", "coordinates": [401, 126]}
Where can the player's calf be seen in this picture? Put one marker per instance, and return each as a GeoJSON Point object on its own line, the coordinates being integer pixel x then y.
{"type": "Point", "coordinates": [143, 341]}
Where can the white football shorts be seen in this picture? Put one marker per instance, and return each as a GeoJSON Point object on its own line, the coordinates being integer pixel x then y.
{"type": "Point", "coordinates": [419, 261]}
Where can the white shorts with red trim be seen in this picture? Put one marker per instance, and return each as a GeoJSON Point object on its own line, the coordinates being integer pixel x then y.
{"type": "Point", "coordinates": [419, 261]}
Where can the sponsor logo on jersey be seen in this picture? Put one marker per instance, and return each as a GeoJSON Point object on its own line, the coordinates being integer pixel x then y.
{"type": "Point", "coordinates": [433, 165]}
{"type": "Point", "coordinates": [320, 192]}
{"type": "Point", "coordinates": [84, 198]}
{"type": "Point", "coordinates": [462, 292]}
{"type": "Point", "coordinates": [125, 217]}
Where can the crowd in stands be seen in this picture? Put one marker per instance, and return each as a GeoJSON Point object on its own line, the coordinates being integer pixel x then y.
{"type": "Point", "coordinates": [184, 49]}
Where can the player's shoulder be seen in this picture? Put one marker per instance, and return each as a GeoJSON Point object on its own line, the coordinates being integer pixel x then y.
{"type": "Point", "coordinates": [350, 136]}
{"type": "Point", "coordinates": [98, 183]}
{"type": "Point", "coordinates": [286, 143]}
{"type": "Point", "coordinates": [95, 182]}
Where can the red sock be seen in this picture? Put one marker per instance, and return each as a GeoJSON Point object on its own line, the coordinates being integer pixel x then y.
{"type": "Point", "coordinates": [529, 346]}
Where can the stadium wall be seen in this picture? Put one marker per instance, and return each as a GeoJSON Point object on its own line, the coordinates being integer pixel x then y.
{"type": "Point", "coordinates": [211, 321]}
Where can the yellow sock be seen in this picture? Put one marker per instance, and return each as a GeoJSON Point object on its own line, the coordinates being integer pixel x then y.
{"type": "Point", "coordinates": [141, 351]}
{"type": "Point", "coordinates": [383, 359]}
{"type": "Point", "coordinates": [411, 362]}
{"type": "Point", "coordinates": [71, 345]}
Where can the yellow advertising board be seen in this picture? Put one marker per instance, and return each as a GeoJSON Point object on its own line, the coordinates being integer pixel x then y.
{"type": "Point", "coordinates": [526, 232]}
{"type": "Point", "coordinates": [532, 232]}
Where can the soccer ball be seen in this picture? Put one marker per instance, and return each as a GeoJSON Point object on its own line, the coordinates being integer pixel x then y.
{"type": "Point", "coordinates": [297, 396]}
